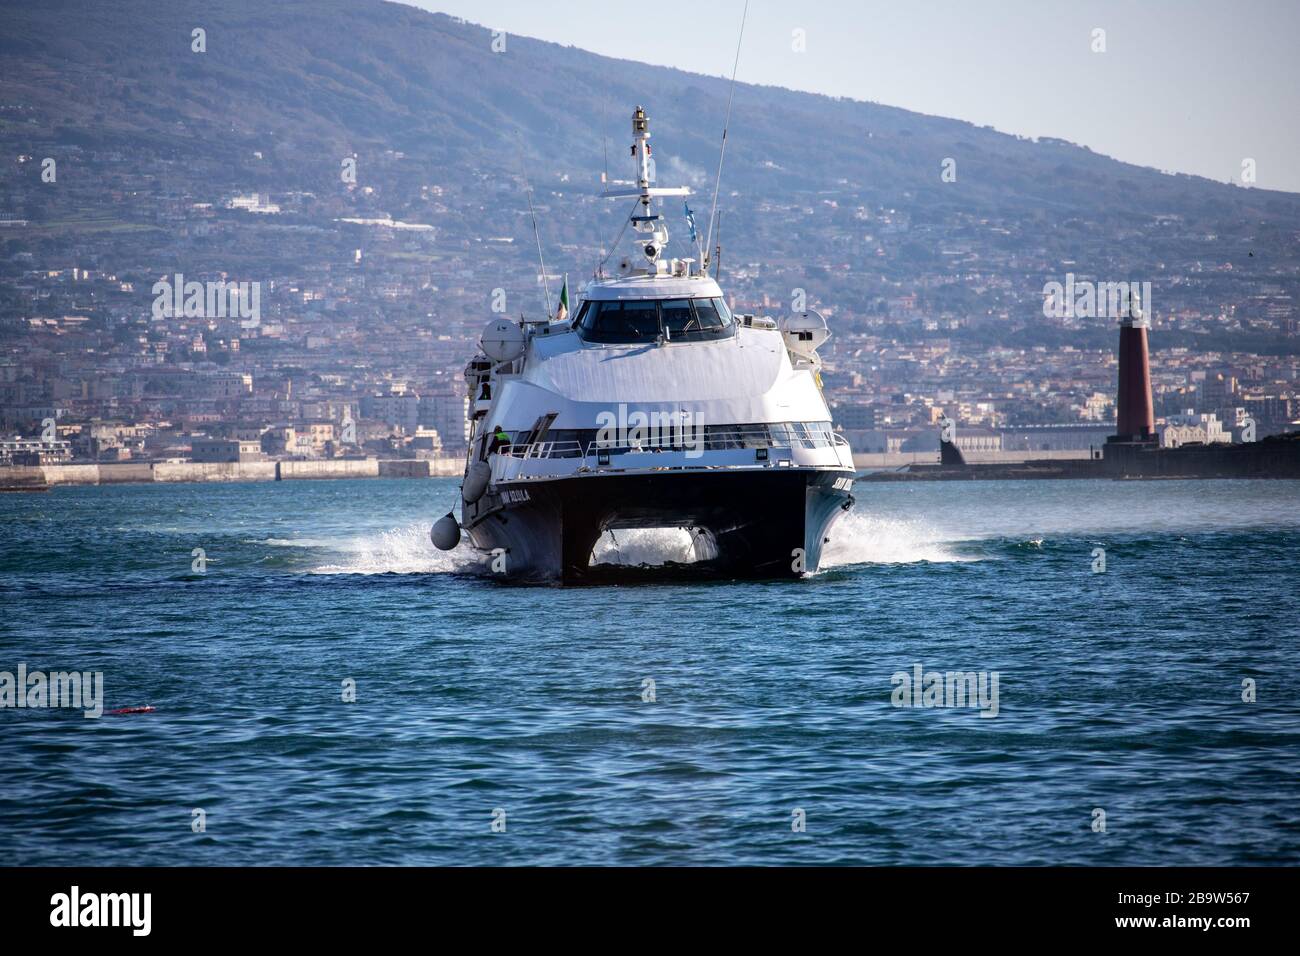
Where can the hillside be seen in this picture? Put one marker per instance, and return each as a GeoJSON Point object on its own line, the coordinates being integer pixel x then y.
{"type": "Point", "coordinates": [317, 78]}
{"type": "Point", "coordinates": [847, 194]}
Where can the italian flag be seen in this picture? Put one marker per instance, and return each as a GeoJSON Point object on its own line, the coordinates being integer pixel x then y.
{"type": "Point", "coordinates": [562, 312]}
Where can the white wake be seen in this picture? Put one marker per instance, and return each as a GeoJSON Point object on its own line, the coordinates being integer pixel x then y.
{"type": "Point", "coordinates": [862, 538]}
{"type": "Point", "coordinates": [856, 538]}
{"type": "Point", "coordinates": [405, 550]}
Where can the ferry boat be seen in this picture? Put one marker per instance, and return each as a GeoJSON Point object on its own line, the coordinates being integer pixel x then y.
{"type": "Point", "coordinates": [652, 406]}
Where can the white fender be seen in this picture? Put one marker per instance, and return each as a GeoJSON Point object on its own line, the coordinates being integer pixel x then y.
{"type": "Point", "coordinates": [476, 481]}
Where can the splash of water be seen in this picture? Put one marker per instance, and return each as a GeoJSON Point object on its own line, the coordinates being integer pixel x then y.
{"type": "Point", "coordinates": [862, 538]}
{"type": "Point", "coordinates": [856, 538]}
{"type": "Point", "coordinates": [633, 547]}
{"type": "Point", "coordinates": [405, 550]}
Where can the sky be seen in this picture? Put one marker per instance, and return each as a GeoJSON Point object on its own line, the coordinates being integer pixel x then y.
{"type": "Point", "coordinates": [1193, 86]}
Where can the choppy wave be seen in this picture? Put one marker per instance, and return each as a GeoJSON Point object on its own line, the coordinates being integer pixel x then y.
{"type": "Point", "coordinates": [533, 701]}
{"type": "Point", "coordinates": [299, 542]}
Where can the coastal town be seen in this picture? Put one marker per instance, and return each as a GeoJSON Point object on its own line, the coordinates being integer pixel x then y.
{"type": "Point", "coordinates": [155, 318]}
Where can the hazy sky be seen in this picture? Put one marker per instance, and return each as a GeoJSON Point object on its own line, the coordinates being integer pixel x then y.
{"type": "Point", "coordinates": [1191, 86]}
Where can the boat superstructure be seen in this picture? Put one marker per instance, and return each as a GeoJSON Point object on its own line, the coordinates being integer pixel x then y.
{"type": "Point", "coordinates": [651, 406]}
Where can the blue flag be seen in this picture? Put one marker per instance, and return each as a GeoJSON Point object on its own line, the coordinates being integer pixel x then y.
{"type": "Point", "coordinates": [690, 220]}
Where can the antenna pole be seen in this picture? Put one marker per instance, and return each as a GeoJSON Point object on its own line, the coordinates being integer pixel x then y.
{"type": "Point", "coordinates": [725, 126]}
{"type": "Point", "coordinates": [546, 285]}
{"type": "Point", "coordinates": [717, 266]}
{"type": "Point", "coordinates": [604, 133]}
{"type": "Point", "coordinates": [604, 179]}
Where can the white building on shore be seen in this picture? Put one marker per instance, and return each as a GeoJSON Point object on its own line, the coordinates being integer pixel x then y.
{"type": "Point", "coordinates": [1188, 428]}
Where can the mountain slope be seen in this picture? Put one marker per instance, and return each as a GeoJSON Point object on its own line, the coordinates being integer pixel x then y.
{"type": "Point", "coordinates": [335, 75]}
{"type": "Point", "coordinates": [839, 195]}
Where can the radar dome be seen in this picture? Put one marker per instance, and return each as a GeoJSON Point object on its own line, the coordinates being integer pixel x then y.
{"type": "Point", "coordinates": [502, 340]}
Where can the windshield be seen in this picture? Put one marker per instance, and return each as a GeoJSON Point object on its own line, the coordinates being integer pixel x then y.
{"type": "Point", "coordinates": [626, 321]}
{"type": "Point", "coordinates": [632, 321]}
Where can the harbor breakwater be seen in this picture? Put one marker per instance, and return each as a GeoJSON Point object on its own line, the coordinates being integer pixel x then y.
{"type": "Point", "coordinates": [1277, 456]}
{"type": "Point", "coordinates": [42, 477]}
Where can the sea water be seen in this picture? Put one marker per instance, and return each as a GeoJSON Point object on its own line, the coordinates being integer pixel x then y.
{"type": "Point", "coordinates": [330, 689]}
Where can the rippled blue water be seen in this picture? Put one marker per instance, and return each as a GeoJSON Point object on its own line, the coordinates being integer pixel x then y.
{"type": "Point", "coordinates": [1120, 691]}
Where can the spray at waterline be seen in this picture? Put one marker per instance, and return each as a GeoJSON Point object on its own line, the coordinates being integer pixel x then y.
{"type": "Point", "coordinates": [856, 538]}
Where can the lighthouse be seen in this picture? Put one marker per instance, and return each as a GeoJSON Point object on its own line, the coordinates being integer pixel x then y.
{"type": "Point", "coordinates": [1134, 419]}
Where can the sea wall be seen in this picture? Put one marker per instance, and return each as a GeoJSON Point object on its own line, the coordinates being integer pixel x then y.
{"type": "Point", "coordinates": [446, 467]}
{"type": "Point", "coordinates": [870, 460]}
{"type": "Point", "coordinates": [214, 471]}
{"type": "Point", "coordinates": [422, 468]}
{"type": "Point", "coordinates": [22, 478]}
{"type": "Point", "coordinates": [38, 478]}
{"type": "Point", "coordinates": [122, 472]}
{"type": "Point", "coordinates": [334, 468]}
{"type": "Point", "coordinates": [71, 474]}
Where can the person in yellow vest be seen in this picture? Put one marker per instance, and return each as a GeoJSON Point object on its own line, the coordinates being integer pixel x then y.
{"type": "Point", "coordinates": [499, 439]}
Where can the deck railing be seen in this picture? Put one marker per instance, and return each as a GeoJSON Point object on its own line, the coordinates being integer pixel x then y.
{"type": "Point", "coordinates": [773, 436]}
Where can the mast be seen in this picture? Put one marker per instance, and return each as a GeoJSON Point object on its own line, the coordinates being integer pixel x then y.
{"type": "Point", "coordinates": [651, 231]}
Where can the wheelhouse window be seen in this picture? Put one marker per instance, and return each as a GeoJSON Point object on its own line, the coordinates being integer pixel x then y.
{"type": "Point", "coordinates": [622, 322]}
{"type": "Point", "coordinates": [712, 314]}
{"type": "Point", "coordinates": [632, 321]}
{"type": "Point", "coordinates": [678, 318]}
{"type": "Point", "coordinates": [720, 305]}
